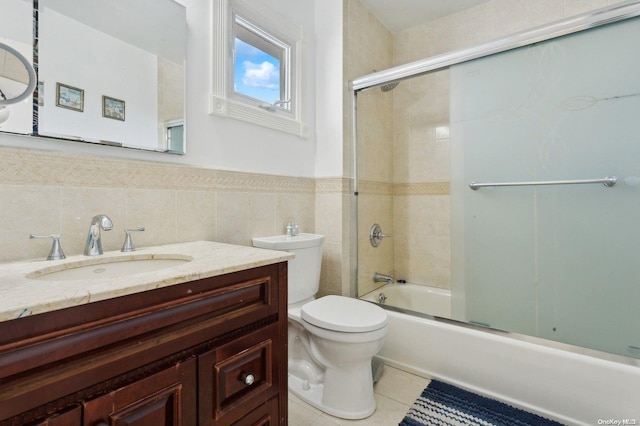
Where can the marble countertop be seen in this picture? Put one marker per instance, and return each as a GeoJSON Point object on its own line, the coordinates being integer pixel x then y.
{"type": "Point", "coordinates": [21, 294]}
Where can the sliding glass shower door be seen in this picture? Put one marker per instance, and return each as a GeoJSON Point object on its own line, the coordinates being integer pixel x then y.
{"type": "Point", "coordinates": [556, 261]}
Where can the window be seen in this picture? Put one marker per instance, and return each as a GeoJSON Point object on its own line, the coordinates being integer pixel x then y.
{"type": "Point", "coordinates": [260, 68]}
{"type": "Point", "coordinates": [257, 67]}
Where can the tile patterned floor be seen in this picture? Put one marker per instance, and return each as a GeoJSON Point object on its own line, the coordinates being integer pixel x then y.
{"type": "Point", "coordinates": [395, 393]}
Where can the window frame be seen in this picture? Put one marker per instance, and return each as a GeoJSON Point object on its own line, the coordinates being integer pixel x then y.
{"type": "Point", "coordinates": [256, 37]}
{"type": "Point", "coordinates": [264, 23]}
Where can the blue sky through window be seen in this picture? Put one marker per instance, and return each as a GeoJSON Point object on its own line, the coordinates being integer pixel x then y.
{"type": "Point", "coordinates": [256, 73]}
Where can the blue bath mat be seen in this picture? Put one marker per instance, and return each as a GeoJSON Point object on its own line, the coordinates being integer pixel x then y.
{"type": "Point", "coordinates": [441, 404]}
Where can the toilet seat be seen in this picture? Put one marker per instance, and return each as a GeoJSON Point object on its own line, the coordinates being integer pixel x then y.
{"type": "Point", "coordinates": [344, 314]}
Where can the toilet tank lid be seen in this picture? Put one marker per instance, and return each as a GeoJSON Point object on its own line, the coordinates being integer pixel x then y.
{"type": "Point", "coordinates": [339, 313]}
{"type": "Point", "coordinates": [287, 242]}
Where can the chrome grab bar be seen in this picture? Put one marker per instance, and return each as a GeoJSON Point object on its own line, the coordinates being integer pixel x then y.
{"type": "Point", "coordinates": [608, 181]}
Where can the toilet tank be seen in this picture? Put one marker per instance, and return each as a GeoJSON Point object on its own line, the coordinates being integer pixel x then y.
{"type": "Point", "coordinates": [304, 269]}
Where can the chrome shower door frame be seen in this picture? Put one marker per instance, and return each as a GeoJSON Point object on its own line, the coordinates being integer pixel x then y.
{"type": "Point", "coordinates": [599, 17]}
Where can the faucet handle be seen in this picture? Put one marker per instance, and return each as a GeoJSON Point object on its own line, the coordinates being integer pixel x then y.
{"type": "Point", "coordinates": [56, 249]}
{"type": "Point", "coordinates": [376, 235]}
{"type": "Point", "coordinates": [128, 244]}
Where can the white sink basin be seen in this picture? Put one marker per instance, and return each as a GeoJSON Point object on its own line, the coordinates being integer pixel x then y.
{"type": "Point", "coordinates": [101, 268]}
{"type": "Point", "coordinates": [287, 242]}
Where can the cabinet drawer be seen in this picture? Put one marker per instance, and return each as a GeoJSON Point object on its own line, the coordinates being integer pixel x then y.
{"type": "Point", "coordinates": [243, 373]}
{"type": "Point", "coordinates": [264, 415]}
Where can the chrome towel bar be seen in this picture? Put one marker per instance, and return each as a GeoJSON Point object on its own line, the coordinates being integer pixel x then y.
{"type": "Point", "coordinates": [608, 181]}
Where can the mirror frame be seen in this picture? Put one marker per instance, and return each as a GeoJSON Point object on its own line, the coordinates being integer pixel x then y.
{"type": "Point", "coordinates": [31, 85]}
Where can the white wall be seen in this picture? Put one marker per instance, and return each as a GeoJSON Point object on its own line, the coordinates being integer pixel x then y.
{"type": "Point", "coordinates": [216, 142]}
{"type": "Point", "coordinates": [329, 88]}
{"type": "Point", "coordinates": [230, 144]}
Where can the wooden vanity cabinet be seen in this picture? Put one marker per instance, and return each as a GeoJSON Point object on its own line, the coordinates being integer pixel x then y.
{"type": "Point", "coordinates": [206, 352]}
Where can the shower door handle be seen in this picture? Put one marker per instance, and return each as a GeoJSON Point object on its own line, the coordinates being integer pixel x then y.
{"type": "Point", "coordinates": [376, 235]}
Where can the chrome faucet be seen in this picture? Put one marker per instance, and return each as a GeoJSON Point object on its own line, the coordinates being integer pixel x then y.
{"type": "Point", "coordinates": [381, 278]}
{"type": "Point", "coordinates": [94, 240]}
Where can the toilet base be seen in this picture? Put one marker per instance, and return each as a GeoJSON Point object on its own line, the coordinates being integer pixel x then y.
{"type": "Point", "coordinates": [312, 395]}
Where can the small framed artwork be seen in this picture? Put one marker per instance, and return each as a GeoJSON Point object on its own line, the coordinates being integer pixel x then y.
{"type": "Point", "coordinates": [112, 108]}
{"type": "Point", "coordinates": [69, 97]}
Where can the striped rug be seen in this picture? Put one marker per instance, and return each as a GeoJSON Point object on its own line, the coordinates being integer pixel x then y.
{"type": "Point", "coordinates": [447, 405]}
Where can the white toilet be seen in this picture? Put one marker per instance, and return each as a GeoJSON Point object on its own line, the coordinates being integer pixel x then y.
{"type": "Point", "coordinates": [331, 339]}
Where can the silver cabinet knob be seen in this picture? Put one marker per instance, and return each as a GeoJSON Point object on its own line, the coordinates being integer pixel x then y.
{"type": "Point", "coordinates": [248, 379]}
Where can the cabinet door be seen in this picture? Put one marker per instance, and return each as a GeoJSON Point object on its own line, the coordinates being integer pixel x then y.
{"type": "Point", "coordinates": [165, 398]}
{"type": "Point", "coordinates": [238, 377]}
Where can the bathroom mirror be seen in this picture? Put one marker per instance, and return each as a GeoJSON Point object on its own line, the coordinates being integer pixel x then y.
{"type": "Point", "coordinates": [109, 72]}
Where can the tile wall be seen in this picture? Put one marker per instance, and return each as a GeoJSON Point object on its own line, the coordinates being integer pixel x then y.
{"type": "Point", "coordinates": [48, 192]}
{"type": "Point", "coordinates": [368, 47]}
{"type": "Point", "coordinates": [410, 194]}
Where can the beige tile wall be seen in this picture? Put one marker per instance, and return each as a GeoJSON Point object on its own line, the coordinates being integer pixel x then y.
{"type": "Point", "coordinates": [332, 220]}
{"type": "Point", "coordinates": [368, 47]}
{"type": "Point", "coordinates": [47, 192]}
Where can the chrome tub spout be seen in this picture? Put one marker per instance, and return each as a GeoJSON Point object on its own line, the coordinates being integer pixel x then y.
{"type": "Point", "coordinates": [381, 278]}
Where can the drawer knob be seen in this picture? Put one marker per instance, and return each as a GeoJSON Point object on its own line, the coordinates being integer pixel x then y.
{"type": "Point", "coordinates": [248, 379]}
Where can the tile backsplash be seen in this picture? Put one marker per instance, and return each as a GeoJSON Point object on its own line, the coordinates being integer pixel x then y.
{"type": "Point", "coordinates": [44, 192]}
{"type": "Point", "coordinates": [49, 192]}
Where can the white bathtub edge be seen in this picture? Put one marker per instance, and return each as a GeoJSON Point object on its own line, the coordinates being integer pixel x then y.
{"type": "Point", "coordinates": [564, 386]}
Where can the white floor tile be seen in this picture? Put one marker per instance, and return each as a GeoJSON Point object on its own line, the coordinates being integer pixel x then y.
{"type": "Point", "coordinates": [400, 386]}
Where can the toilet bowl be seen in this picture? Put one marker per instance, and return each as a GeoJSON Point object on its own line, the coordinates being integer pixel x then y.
{"type": "Point", "coordinates": [332, 339]}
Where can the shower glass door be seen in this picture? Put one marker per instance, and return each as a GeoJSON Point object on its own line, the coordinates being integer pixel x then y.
{"type": "Point", "coordinates": [555, 261]}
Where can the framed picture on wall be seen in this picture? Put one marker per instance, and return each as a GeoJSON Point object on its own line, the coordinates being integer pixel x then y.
{"type": "Point", "coordinates": [69, 97]}
{"type": "Point", "coordinates": [112, 108]}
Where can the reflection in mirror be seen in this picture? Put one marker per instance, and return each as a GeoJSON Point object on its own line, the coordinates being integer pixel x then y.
{"type": "Point", "coordinates": [17, 78]}
{"type": "Point", "coordinates": [112, 72]}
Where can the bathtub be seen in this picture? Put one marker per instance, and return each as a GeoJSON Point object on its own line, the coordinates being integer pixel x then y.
{"type": "Point", "coordinates": [567, 386]}
{"type": "Point", "coordinates": [414, 297]}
